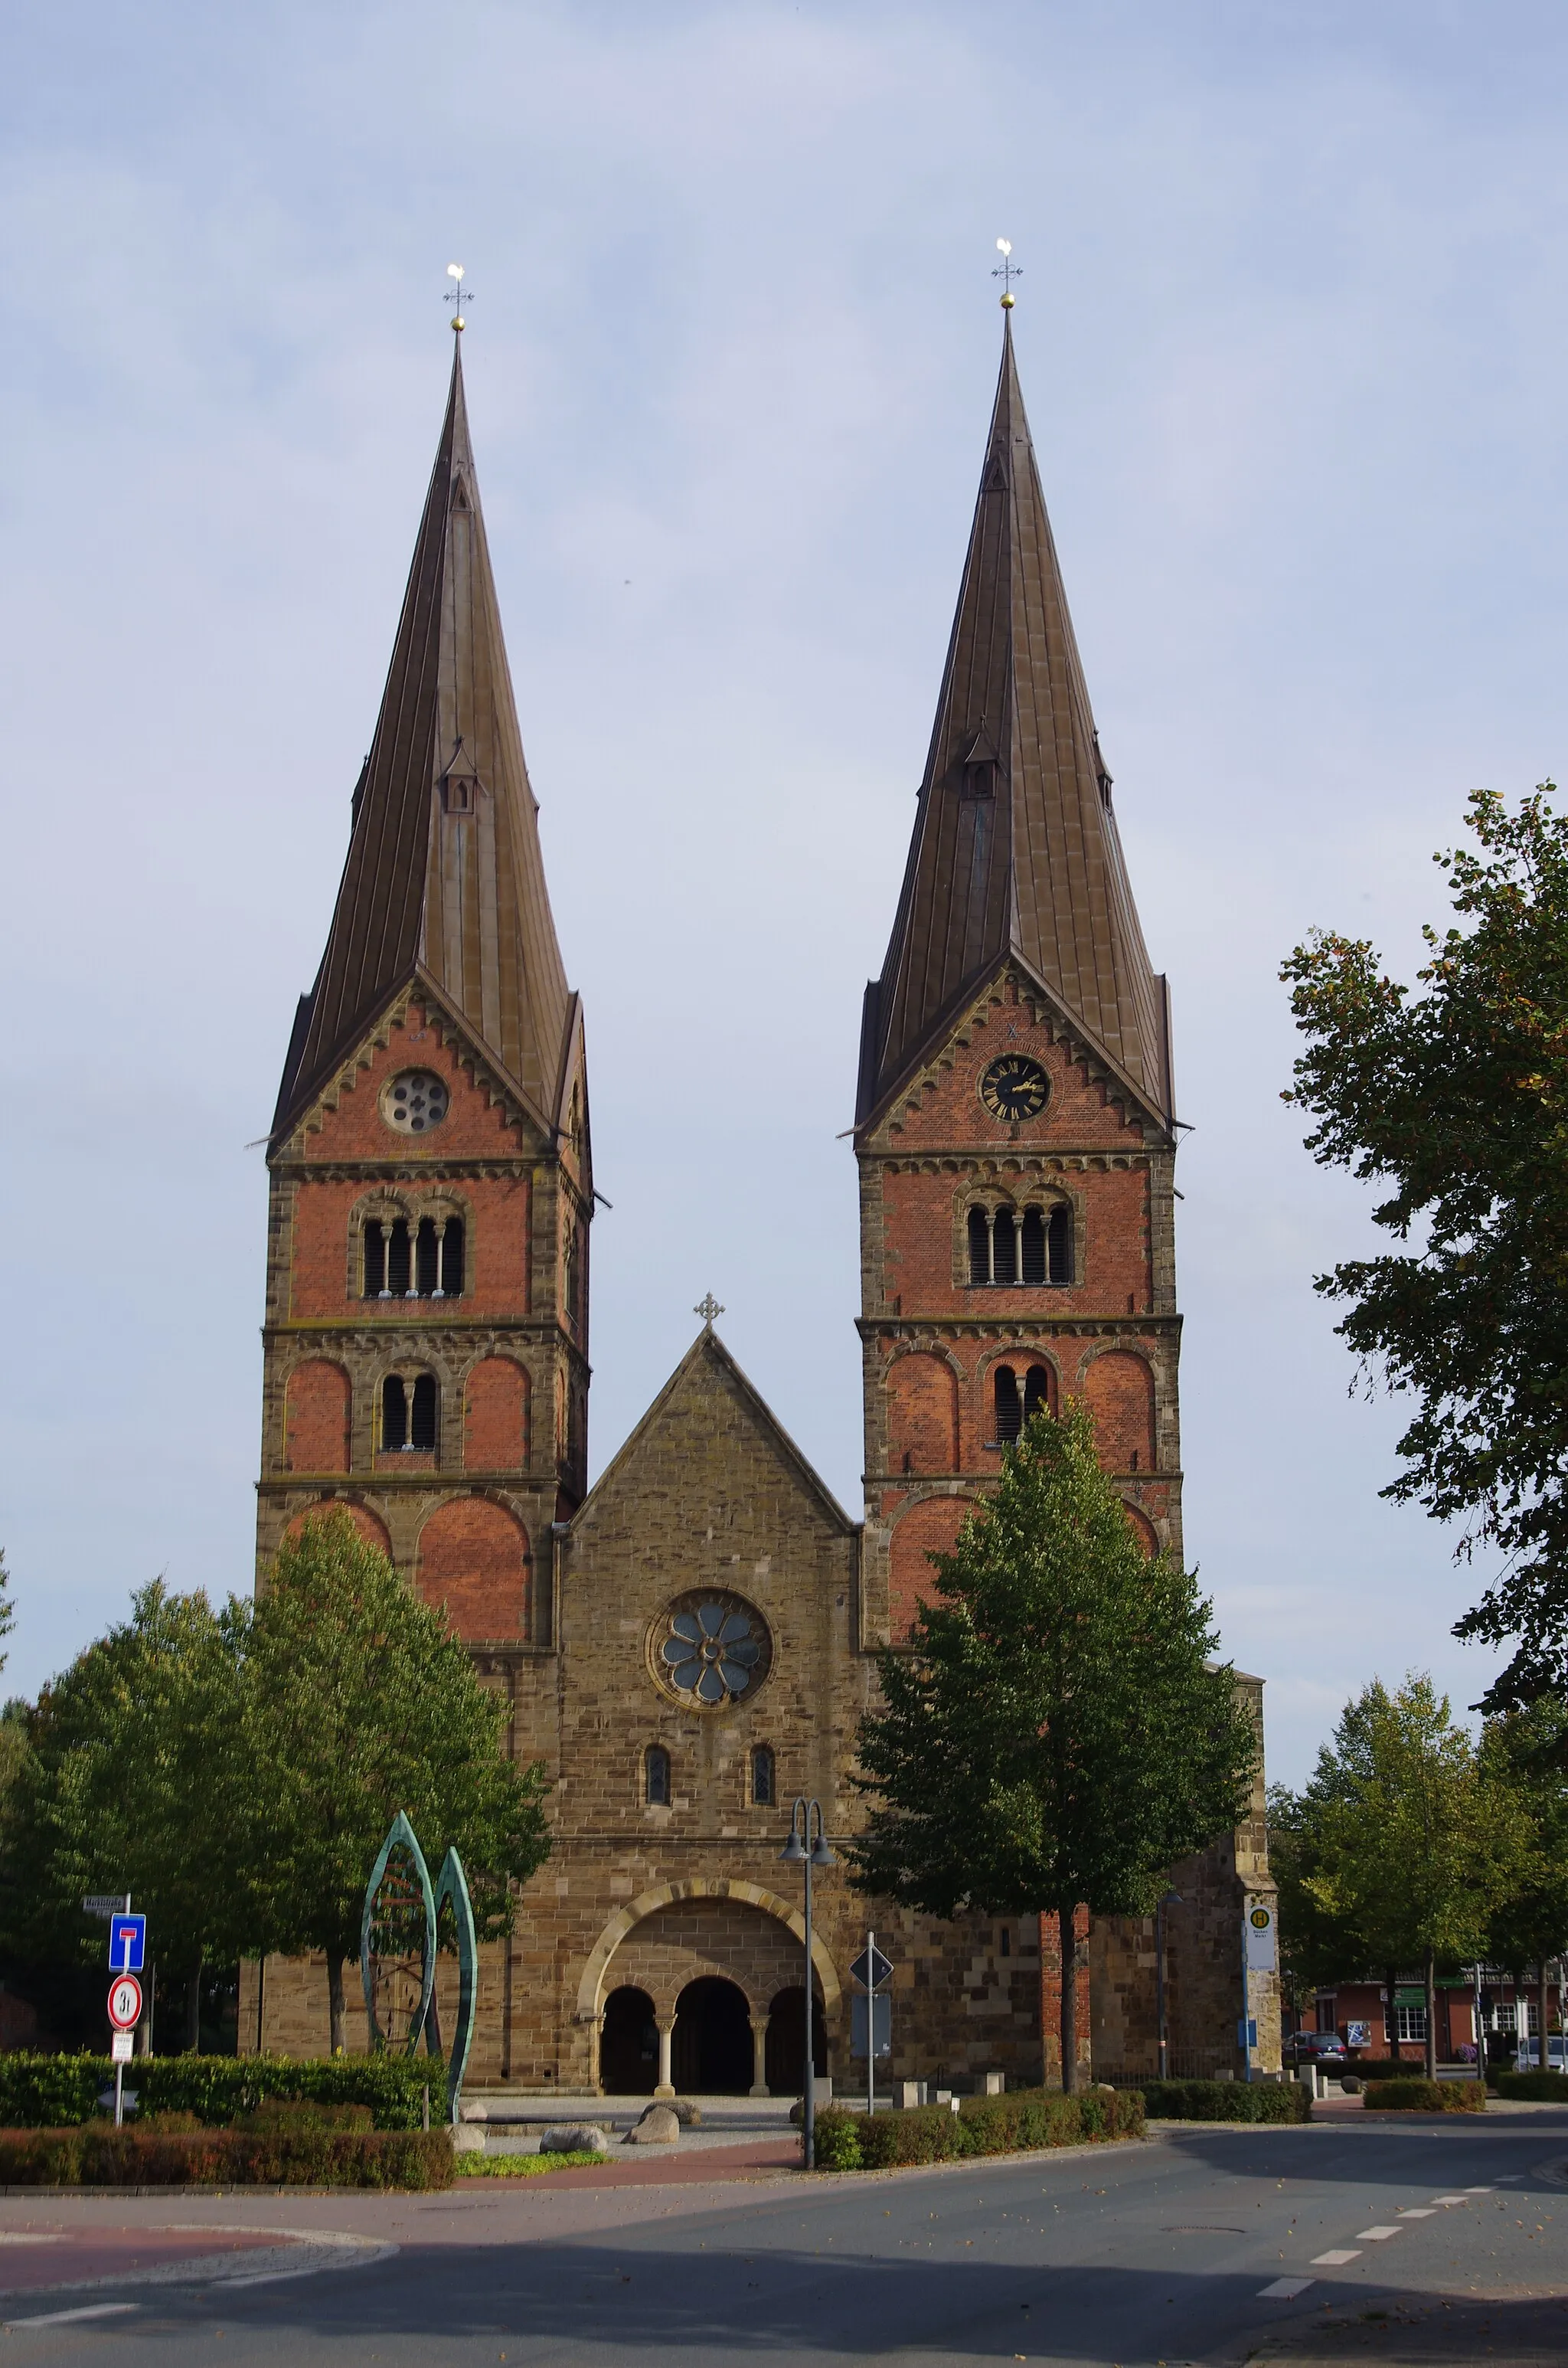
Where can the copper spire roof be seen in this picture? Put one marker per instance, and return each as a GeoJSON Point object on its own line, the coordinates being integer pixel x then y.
{"type": "Point", "coordinates": [1016, 846]}
{"type": "Point", "coordinates": [444, 880]}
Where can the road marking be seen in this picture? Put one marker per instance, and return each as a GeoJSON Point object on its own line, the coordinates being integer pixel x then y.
{"type": "Point", "coordinates": [1418, 2210]}
{"type": "Point", "coordinates": [1449, 2199]}
{"type": "Point", "coordinates": [59, 2317]}
{"type": "Point", "coordinates": [1335, 2260]}
{"type": "Point", "coordinates": [18, 2237]}
{"type": "Point", "coordinates": [1374, 2236]}
{"type": "Point", "coordinates": [1284, 2289]}
{"type": "Point", "coordinates": [1478, 2190]}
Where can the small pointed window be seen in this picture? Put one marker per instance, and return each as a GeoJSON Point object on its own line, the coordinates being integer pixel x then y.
{"type": "Point", "coordinates": [1059, 1245]}
{"type": "Point", "coordinates": [980, 779]}
{"type": "Point", "coordinates": [764, 1788]}
{"type": "Point", "coordinates": [1010, 1410]}
{"type": "Point", "coordinates": [422, 1419]}
{"type": "Point", "coordinates": [656, 1776]}
{"type": "Point", "coordinates": [394, 1415]}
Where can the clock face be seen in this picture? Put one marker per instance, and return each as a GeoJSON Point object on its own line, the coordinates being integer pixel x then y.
{"type": "Point", "coordinates": [1015, 1088]}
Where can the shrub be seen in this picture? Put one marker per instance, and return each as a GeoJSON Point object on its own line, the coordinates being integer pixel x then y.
{"type": "Point", "coordinates": [1387, 2067]}
{"type": "Point", "coordinates": [51, 2093]}
{"type": "Point", "coordinates": [101, 2155]}
{"type": "Point", "coordinates": [983, 2125]}
{"type": "Point", "coordinates": [1426, 2097]}
{"type": "Point", "coordinates": [295, 2113]}
{"type": "Point", "coordinates": [1543, 2088]}
{"type": "Point", "coordinates": [1226, 2100]}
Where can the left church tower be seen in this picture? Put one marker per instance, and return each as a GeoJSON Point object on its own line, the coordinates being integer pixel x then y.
{"type": "Point", "coordinates": [431, 1184]}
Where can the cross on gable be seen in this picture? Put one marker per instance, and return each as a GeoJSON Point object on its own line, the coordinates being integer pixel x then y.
{"type": "Point", "coordinates": [707, 1308]}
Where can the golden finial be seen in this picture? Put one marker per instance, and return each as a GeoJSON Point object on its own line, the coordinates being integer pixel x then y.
{"type": "Point", "coordinates": [455, 296]}
{"type": "Point", "coordinates": [1007, 271]}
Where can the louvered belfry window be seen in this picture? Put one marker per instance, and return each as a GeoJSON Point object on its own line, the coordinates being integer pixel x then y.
{"type": "Point", "coordinates": [394, 1415]}
{"type": "Point", "coordinates": [1009, 1411]}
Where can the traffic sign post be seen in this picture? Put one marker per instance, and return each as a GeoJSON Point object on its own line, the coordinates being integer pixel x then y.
{"type": "Point", "coordinates": [871, 2017]}
{"type": "Point", "coordinates": [127, 1955]}
{"type": "Point", "coordinates": [127, 1944]}
{"type": "Point", "coordinates": [125, 2002]}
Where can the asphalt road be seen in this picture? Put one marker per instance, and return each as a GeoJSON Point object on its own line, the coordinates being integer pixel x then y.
{"type": "Point", "coordinates": [1445, 2240]}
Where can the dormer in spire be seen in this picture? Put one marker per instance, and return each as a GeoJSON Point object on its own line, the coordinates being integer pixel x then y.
{"type": "Point", "coordinates": [444, 883]}
{"type": "Point", "coordinates": [1015, 850]}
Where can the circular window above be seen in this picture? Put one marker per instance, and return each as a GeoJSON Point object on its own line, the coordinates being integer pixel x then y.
{"type": "Point", "coordinates": [414, 1101]}
{"type": "Point", "coordinates": [710, 1649]}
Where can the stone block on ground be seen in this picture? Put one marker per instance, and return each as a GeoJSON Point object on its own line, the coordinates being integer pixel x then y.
{"type": "Point", "coordinates": [574, 2138]}
{"type": "Point", "coordinates": [689, 2116]}
{"type": "Point", "coordinates": [466, 2140]}
{"type": "Point", "coordinates": [660, 2125]}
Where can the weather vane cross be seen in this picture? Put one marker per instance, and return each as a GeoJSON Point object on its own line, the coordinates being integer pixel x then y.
{"type": "Point", "coordinates": [454, 295]}
{"type": "Point", "coordinates": [707, 1308]}
{"type": "Point", "coordinates": [1007, 271]}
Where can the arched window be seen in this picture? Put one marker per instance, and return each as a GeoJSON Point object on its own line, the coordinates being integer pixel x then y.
{"type": "Point", "coordinates": [426, 1264]}
{"type": "Point", "coordinates": [1036, 1392]}
{"type": "Point", "coordinates": [1009, 1412]}
{"type": "Point", "coordinates": [394, 1415]}
{"type": "Point", "coordinates": [1031, 1247]}
{"type": "Point", "coordinates": [1003, 1247]}
{"type": "Point", "coordinates": [422, 1422]}
{"type": "Point", "coordinates": [978, 1246]}
{"type": "Point", "coordinates": [1059, 1245]}
{"type": "Point", "coordinates": [656, 1776]}
{"type": "Point", "coordinates": [763, 1791]}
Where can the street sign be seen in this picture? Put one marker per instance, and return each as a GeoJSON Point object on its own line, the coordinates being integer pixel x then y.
{"type": "Point", "coordinates": [127, 1942]}
{"type": "Point", "coordinates": [879, 2012]}
{"type": "Point", "coordinates": [872, 1969]}
{"type": "Point", "coordinates": [1262, 1956]}
{"type": "Point", "coordinates": [104, 1903]}
{"type": "Point", "coordinates": [121, 2046]}
{"type": "Point", "coordinates": [125, 2001]}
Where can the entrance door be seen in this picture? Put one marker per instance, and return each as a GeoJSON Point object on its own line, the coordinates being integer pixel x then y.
{"type": "Point", "coordinates": [787, 2042]}
{"type": "Point", "coordinates": [629, 2049]}
{"type": "Point", "coordinates": [711, 2055]}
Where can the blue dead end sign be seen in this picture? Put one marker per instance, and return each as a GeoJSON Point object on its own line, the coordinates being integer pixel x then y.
{"type": "Point", "coordinates": [127, 1944]}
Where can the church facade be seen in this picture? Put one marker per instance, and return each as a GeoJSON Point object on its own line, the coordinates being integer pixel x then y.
{"type": "Point", "coordinates": [690, 1644]}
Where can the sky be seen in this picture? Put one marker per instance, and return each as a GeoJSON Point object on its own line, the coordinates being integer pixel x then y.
{"type": "Point", "coordinates": [1291, 332]}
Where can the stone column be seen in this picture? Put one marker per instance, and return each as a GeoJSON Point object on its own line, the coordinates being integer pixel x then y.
{"type": "Point", "coordinates": [759, 2023]}
{"type": "Point", "coordinates": [666, 2023]}
{"type": "Point", "coordinates": [440, 1290]}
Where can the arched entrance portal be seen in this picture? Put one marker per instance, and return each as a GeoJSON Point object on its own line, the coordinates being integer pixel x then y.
{"type": "Point", "coordinates": [787, 2042]}
{"type": "Point", "coordinates": [711, 2055]}
{"type": "Point", "coordinates": [629, 2049]}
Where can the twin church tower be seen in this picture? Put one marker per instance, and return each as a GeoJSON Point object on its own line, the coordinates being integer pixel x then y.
{"type": "Point", "coordinates": [690, 1643]}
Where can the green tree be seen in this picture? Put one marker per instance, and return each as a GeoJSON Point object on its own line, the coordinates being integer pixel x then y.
{"type": "Point", "coordinates": [1526, 1753]}
{"type": "Point", "coordinates": [359, 1703]}
{"type": "Point", "coordinates": [134, 1779]}
{"type": "Point", "coordinates": [1416, 1844]}
{"type": "Point", "coordinates": [1056, 1735]}
{"type": "Point", "coordinates": [1457, 1099]}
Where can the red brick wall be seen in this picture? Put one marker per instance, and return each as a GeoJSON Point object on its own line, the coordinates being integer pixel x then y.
{"type": "Point", "coordinates": [365, 1521]}
{"type": "Point", "coordinates": [927, 1529]}
{"type": "Point", "coordinates": [317, 1418]}
{"type": "Point", "coordinates": [473, 1128]}
{"type": "Point", "coordinates": [1118, 1390]}
{"type": "Point", "coordinates": [496, 1417]}
{"type": "Point", "coordinates": [923, 1414]}
{"type": "Point", "coordinates": [1051, 1991]}
{"type": "Point", "coordinates": [473, 1558]}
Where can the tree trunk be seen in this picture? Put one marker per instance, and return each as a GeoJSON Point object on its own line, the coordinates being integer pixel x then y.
{"type": "Point", "coordinates": [1068, 1952]}
{"type": "Point", "coordinates": [1392, 1978]}
{"type": "Point", "coordinates": [1543, 2055]}
{"type": "Point", "coordinates": [1431, 2018]}
{"type": "Point", "coordinates": [335, 2002]}
{"type": "Point", "coordinates": [193, 2010]}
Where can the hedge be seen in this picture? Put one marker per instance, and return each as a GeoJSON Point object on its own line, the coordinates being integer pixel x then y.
{"type": "Point", "coordinates": [1426, 2097]}
{"type": "Point", "coordinates": [1226, 2100]}
{"type": "Point", "coordinates": [1387, 2068]}
{"type": "Point", "coordinates": [44, 2092]}
{"type": "Point", "coordinates": [101, 2155]}
{"type": "Point", "coordinates": [983, 2125]}
{"type": "Point", "coordinates": [1542, 2088]}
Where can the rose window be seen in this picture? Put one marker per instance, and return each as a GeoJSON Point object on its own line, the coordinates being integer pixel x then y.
{"type": "Point", "coordinates": [414, 1101]}
{"type": "Point", "coordinates": [712, 1649]}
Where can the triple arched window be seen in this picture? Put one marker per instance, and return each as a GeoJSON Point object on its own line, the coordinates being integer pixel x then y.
{"type": "Point", "coordinates": [1020, 1246]}
{"type": "Point", "coordinates": [420, 1257]}
{"type": "Point", "coordinates": [410, 1414]}
{"type": "Point", "coordinates": [1017, 1399]}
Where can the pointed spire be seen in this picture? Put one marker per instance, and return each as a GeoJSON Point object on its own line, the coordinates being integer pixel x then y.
{"type": "Point", "coordinates": [444, 876]}
{"type": "Point", "coordinates": [1016, 846]}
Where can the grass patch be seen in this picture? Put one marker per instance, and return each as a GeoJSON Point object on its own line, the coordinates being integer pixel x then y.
{"type": "Point", "coordinates": [521, 2166]}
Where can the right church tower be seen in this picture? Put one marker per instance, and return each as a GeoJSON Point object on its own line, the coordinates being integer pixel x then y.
{"type": "Point", "coordinates": [1015, 1125]}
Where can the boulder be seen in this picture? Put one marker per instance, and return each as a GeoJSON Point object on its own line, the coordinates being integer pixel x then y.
{"type": "Point", "coordinates": [660, 2125]}
{"type": "Point", "coordinates": [466, 2140]}
{"type": "Point", "coordinates": [689, 2116]}
{"type": "Point", "coordinates": [574, 2138]}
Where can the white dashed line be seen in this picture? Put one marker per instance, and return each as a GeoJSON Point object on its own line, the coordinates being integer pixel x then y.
{"type": "Point", "coordinates": [59, 2317]}
{"type": "Point", "coordinates": [1374, 2236]}
{"type": "Point", "coordinates": [1284, 2289]}
{"type": "Point", "coordinates": [1418, 2211]}
{"type": "Point", "coordinates": [1335, 2260]}
{"type": "Point", "coordinates": [1478, 2190]}
{"type": "Point", "coordinates": [1452, 2199]}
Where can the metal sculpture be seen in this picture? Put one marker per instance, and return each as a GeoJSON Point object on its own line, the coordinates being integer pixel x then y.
{"type": "Point", "coordinates": [453, 1888]}
{"type": "Point", "coordinates": [398, 1938]}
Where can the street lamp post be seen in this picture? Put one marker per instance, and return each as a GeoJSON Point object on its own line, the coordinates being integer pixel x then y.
{"type": "Point", "coordinates": [1169, 1899]}
{"type": "Point", "coordinates": [804, 1850]}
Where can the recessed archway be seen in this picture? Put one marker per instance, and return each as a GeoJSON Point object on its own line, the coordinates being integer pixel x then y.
{"type": "Point", "coordinates": [711, 2053]}
{"type": "Point", "coordinates": [629, 2045]}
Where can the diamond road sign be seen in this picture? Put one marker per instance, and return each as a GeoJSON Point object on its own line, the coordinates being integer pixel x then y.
{"type": "Point", "coordinates": [872, 1969]}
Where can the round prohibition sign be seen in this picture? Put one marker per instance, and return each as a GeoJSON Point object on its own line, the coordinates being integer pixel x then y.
{"type": "Point", "coordinates": [125, 2002]}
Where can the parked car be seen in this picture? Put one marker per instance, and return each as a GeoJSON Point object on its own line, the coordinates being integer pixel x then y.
{"type": "Point", "coordinates": [1527, 2055]}
{"type": "Point", "coordinates": [1324, 2048]}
